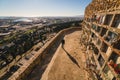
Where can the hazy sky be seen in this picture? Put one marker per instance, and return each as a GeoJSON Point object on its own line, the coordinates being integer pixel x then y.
{"type": "Point", "coordinates": [32, 8]}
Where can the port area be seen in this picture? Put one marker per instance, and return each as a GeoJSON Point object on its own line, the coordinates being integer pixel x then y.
{"type": "Point", "coordinates": [68, 62]}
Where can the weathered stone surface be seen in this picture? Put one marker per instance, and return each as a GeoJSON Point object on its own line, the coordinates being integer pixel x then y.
{"type": "Point", "coordinates": [97, 6]}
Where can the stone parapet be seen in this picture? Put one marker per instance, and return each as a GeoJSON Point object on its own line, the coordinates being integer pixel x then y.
{"type": "Point", "coordinates": [49, 48]}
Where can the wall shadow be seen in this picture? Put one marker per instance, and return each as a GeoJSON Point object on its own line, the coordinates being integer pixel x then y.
{"type": "Point", "coordinates": [73, 60]}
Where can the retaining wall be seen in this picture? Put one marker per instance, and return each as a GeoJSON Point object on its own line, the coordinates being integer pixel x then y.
{"type": "Point", "coordinates": [49, 48]}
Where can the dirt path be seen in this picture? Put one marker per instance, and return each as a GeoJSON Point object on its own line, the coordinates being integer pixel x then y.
{"type": "Point", "coordinates": [68, 62]}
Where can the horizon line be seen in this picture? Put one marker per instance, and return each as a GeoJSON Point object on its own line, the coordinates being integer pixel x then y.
{"type": "Point", "coordinates": [45, 16]}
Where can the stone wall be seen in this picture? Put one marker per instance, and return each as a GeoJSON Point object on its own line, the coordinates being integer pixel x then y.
{"type": "Point", "coordinates": [97, 6]}
{"type": "Point", "coordinates": [49, 48]}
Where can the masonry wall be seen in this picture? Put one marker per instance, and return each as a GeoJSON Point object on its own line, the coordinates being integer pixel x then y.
{"type": "Point", "coordinates": [49, 48]}
{"type": "Point", "coordinates": [103, 24]}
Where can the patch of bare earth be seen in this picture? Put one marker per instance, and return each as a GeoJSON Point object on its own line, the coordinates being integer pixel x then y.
{"type": "Point", "coordinates": [68, 63]}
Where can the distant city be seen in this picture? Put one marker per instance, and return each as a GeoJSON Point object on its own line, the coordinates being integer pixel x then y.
{"type": "Point", "coordinates": [13, 24]}
{"type": "Point", "coordinates": [19, 34]}
{"type": "Point", "coordinates": [10, 24]}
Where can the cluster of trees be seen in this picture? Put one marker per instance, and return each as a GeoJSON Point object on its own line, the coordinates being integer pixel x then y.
{"type": "Point", "coordinates": [20, 45]}
{"type": "Point", "coordinates": [23, 42]}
